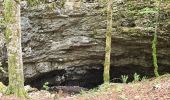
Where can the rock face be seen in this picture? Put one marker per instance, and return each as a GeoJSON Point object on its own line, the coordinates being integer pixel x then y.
{"type": "Point", "coordinates": [66, 46]}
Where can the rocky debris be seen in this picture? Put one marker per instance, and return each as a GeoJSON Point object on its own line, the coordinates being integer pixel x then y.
{"type": "Point", "coordinates": [155, 88]}
{"type": "Point", "coordinates": [10, 97]}
{"type": "Point", "coordinates": [41, 95]}
{"type": "Point", "coordinates": [68, 89]}
{"type": "Point", "coordinates": [28, 88]}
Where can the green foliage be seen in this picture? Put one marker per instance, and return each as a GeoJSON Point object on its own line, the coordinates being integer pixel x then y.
{"type": "Point", "coordinates": [124, 78]}
{"type": "Point", "coordinates": [51, 6]}
{"type": "Point", "coordinates": [8, 8]}
{"type": "Point", "coordinates": [34, 2]}
{"type": "Point", "coordinates": [166, 1]}
{"type": "Point", "coordinates": [93, 91]}
{"type": "Point", "coordinates": [103, 1]}
{"type": "Point", "coordinates": [7, 34]}
{"type": "Point", "coordinates": [155, 56]}
{"type": "Point", "coordinates": [104, 87]}
{"type": "Point", "coordinates": [148, 10]}
{"type": "Point", "coordinates": [8, 17]}
{"type": "Point", "coordinates": [45, 86]}
{"type": "Point", "coordinates": [2, 88]}
{"type": "Point", "coordinates": [144, 78]}
{"type": "Point", "coordinates": [136, 77]}
{"type": "Point", "coordinates": [153, 23]}
{"type": "Point", "coordinates": [155, 12]}
{"type": "Point", "coordinates": [96, 91]}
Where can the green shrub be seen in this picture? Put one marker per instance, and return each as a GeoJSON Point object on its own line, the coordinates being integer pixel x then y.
{"type": "Point", "coordinates": [124, 78]}
{"type": "Point", "coordinates": [144, 78]}
{"type": "Point", "coordinates": [45, 86]}
{"type": "Point", "coordinates": [136, 77]}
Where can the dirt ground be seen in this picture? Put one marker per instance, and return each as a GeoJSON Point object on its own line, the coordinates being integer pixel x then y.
{"type": "Point", "coordinates": [150, 89]}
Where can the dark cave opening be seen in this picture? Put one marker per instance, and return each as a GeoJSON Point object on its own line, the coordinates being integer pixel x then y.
{"type": "Point", "coordinates": [90, 76]}
{"type": "Point", "coordinates": [78, 76]}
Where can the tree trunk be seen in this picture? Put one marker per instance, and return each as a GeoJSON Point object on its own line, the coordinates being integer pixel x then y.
{"type": "Point", "coordinates": [154, 42]}
{"type": "Point", "coordinates": [14, 51]}
{"type": "Point", "coordinates": [106, 74]}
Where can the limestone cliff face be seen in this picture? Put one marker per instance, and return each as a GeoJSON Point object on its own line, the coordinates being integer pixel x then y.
{"type": "Point", "coordinates": [63, 45]}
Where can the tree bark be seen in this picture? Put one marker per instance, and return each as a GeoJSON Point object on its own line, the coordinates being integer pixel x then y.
{"type": "Point", "coordinates": [14, 51]}
{"type": "Point", "coordinates": [154, 42]}
{"type": "Point", "coordinates": [106, 74]}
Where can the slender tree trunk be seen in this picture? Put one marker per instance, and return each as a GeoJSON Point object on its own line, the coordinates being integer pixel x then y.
{"type": "Point", "coordinates": [154, 42]}
{"type": "Point", "coordinates": [14, 51]}
{"type": "Point", "coordinates": [106, 74]}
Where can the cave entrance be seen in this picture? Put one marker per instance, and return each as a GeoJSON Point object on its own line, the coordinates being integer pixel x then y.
{"type": "Point", "coordinates": [84, 76]}
{"type": "Point", "coordinates": [89, 76]}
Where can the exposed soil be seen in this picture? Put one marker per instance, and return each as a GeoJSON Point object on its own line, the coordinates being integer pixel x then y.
{"type": "Point", "coordinates": [151, 89]}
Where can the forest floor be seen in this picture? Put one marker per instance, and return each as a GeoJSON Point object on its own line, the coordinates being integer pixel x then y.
{"type": "Point", "coordinates": [149, 89]}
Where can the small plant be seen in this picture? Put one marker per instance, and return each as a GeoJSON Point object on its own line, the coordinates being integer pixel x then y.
{"type": "Point", "coordinates": [124, 78]}
{"type": "Point", "coordinates": [104, 87]}
{"type": "Point", "coordinates": [136, 77]}
{"type": "Point", "coordinates": [95, 91]}
{"type": "Point", "coordinates": [156, 86]}
{"type": "Point", "coordinates": [45, 86]}
{"type": "Point", "coordinates": [144, 78]}
{"type": "Point", "coordinates": [82, 92]}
